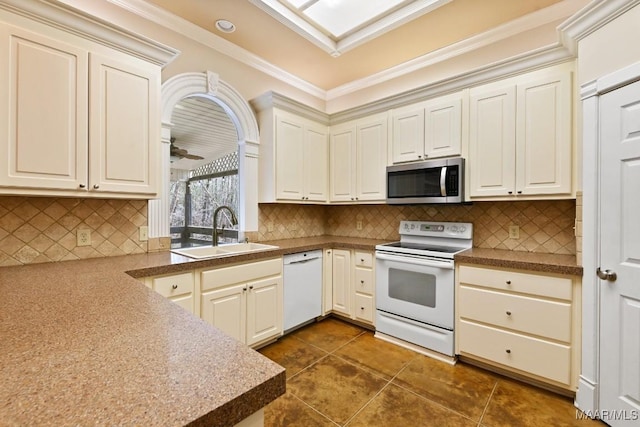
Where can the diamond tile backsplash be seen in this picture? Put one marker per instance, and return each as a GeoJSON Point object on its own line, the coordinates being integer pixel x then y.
{"type": "Point", "coordinates": [43, 229]}
{"type": "Point", "coordinates": [545, 226]}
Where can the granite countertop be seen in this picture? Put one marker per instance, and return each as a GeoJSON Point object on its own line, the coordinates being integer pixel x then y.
{"type": "Point", "coordinates": [545, 263]}
{"type": "Point", "coordinates": [85, 344]}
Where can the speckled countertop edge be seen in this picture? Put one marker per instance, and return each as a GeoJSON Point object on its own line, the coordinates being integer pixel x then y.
{"type": "Point", "coordinates": [545, 263]}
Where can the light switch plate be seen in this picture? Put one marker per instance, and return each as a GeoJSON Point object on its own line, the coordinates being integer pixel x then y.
{"type": "Point", "coordinates": [144, 233]}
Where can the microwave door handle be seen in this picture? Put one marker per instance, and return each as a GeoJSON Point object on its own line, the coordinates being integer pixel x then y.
{"type": "Point", "coordinates": [443, 182]}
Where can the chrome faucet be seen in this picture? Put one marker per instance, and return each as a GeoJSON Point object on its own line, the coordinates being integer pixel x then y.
{"type": "Point", "coordinates": [234, 221]}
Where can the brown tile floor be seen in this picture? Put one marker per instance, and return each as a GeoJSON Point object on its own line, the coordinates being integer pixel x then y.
{"type": "Point", "coordinates": [339, 374]}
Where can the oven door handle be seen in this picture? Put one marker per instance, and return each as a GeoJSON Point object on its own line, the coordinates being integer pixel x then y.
{"type": "Point", "coordinates": [415, 261]}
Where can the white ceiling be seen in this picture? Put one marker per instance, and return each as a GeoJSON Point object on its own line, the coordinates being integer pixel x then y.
{"type": "Point", "coordinates": [203, 128]}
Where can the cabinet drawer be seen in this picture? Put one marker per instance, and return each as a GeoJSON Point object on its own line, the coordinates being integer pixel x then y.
{"type": "Point", "coordinates": [364, 308]}
{"type": "Point", "coordinates": [364, 259]}
{"type": "Point", "coordinates": [532, 355]}
{"type": "Point", "coordinates": [178, 284]}
{"type": "Point", "coordinates": [184, 301]}
{"type": "Point", "coordinates": [240, 273]}
{"type": "Point", "coordinates": [364, 281]}
{"type": "Point", "coordinates": [528, 283]}
{"type": "Point", "coordinates": [550, 319]}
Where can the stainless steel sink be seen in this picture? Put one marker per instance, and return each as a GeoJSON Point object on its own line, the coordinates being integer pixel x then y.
{"type": "Point", "coordinates": [204, 252]}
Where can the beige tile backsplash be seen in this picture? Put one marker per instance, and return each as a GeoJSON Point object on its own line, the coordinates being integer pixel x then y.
{"type": "Point", "coordinates": [545, 226]}
{"type": "Point", "coordinates": [43, 229]}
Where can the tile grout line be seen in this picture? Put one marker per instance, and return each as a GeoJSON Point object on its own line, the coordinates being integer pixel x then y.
{"type": "Point", "coordinates": [484, 411]}
{"type": "Point", "coordinates": [314, 409]}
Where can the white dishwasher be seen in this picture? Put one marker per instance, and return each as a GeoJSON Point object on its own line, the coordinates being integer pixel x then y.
{"type": "Point", "coordinates": [302, 288]}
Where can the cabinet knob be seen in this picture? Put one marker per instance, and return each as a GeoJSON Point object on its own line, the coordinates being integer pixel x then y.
{"type": "Point", "coordinates": [510, 192]}
{"type": "Point", "coordinates": [361, 308]}
{"type": "Point", "coordinates": [96, 186]}
{"type": "Point", "coordinates": [419, 156]}
{"type": "Point", "coordinates": [174, 286]}
{"type": "Point", "coordinates": [356, 198]}
{"type": "Point", "coordinates": [82, 186]}
{"type": "Point", "coordinates": [519, 191]}
{"type": "Point", "coordinates": [508, 351]}
{"type": "Point", "coordinates": [508, 313]}
{"type": "Point", "coordinates": [244, 289]}
{"type": "Point", "coordinates": [362, 281]}
{"type": "Point", "coordinates": [508, 282]}
{"type": "Point", "coordinates": [251, 287]}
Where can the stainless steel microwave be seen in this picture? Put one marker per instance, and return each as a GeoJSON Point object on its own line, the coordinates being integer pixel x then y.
{"type": "Point", "coordinates": [431, 181]}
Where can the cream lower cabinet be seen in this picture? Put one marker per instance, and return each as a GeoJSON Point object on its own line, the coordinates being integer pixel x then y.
{"type": "Point", "coordinates": [352, 284]}
{"type": "Point", "coordinates": [81, 119]}
{"type": "Point", "coordinates": [244, 300]}
{"type": "Point", "coordinates": [522, 322]}
{"type": "Point", "coordinates": [179, 288]}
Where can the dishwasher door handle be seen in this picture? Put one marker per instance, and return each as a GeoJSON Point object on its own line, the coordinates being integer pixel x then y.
{"type": "Point", "coordinates": [302, 261]}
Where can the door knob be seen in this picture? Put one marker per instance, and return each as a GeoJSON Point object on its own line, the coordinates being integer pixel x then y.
{"type": "Point", "coordinates": [608, 275]}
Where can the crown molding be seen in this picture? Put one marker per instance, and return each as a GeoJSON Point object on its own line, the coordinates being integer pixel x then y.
{"type": "Point", "coordinates": [182, 26]}
{"type": "Point", "coordinates": [299, 25]}
{"type": "Point", "coordinates": [59, 15]}
{"type": "Point", "coordinates": [539, 58]}
{"type": "Point", "coordinates": [273, 99]}
{"type": "Point", "coordinates": [534, 20]}
{"type": "Point", "coordinates": [591, 18]}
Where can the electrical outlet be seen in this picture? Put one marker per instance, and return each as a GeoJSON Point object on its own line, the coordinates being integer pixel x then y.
{"type": "Point", "coordinates": [269, 227]}
{"type": "Point", "coordinates": [293, 226]}
{"type": "Point", "coordinates": [144, 233]}
{"type": "Point", "coordinates": [358, 225]}
{"type": "Point", "coordinates": [514, 232]}
{"type": "Point", "coordinates": [83, 237]}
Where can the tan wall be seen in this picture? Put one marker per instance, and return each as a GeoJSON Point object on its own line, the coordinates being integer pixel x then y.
{"type": "Point", "coordinates": [545, 226]}
{"type": "Point", "coordinates": [610, 48]}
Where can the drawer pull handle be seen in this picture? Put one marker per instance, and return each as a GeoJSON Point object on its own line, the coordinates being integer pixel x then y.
{"type": "Point", "coordinates": [174, 286]}
{"type": "Point", "coordinates": [508, 313]}
{"type": "Point", "coordinates": [508, 282]}
{"type": "Point", "coordinates": [508, 351]}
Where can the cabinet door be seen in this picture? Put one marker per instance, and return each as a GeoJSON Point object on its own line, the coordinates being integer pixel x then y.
{"type": "Point", "coordinates": [492, 141]}
{"type": "Point", "coordinates": [342, 151]}
{"type": "Point", "coordinates": [124, 125]}
{"type": "Point", "coordinates": [289, 158]}
{"type": "Point", "coordinates": [226, 310]}
{"type": "Point", "coordinates": [327, 282]}
{"type": "Point", "coordinates": [371, 159]}
{"type": "Point", "coordinates": [443, 127]}
{"type": "Point", "coordinates": [408, 135]}
{"type": "Point", "coordinates": [543, 139]}
{"type": "Point", "coordinates": [43, 113]}
{"type": "Point", "coordinates": [264, 310]}
{"type": "Point", "coordinates": [316, 165]}
{"type": "Point", "coordinates": [341, 275]}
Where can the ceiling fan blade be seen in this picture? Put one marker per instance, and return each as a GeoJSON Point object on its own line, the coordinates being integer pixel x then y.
{"type": "Point", "coordinates": [193, 157]}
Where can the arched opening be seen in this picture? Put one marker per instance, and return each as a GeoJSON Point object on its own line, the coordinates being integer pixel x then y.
{"type": "Point", "coordinates": [207, 85]}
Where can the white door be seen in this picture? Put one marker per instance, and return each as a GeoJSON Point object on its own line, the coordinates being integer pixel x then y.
{"type": "Point", "coordinates": [443, 126]}
{"type": "Point", "coordinates": [264, 309]}
{"type": "Point", "coordinates": [226, 310]}
{"type": "Point", "coordinates": [289, 158]}
{"type": "Point", "coordinates": [342, 281]}
{"type": "Point", "coordinates": [620, 253]}
{"type": "Point", "coordinates": [408, 135]}
{"type": "Point", "coordinates": [316, 166]}
{"type": "Point", "coordinates": [342, 151]}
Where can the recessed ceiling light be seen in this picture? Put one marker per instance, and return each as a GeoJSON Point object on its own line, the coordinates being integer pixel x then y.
{"type": "Point", "coordinates": [225, 26]}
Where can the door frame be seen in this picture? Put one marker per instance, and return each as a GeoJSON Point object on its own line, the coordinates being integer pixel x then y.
{"type": "Point", "coordinates": [588, 394]}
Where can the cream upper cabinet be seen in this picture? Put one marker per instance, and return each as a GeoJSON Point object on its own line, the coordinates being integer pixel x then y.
{"type": "Point", "coordinates": [521, 136]}
{"type": "Point", "coordinates": [124, 122]}
{"type": "Point", "coordinates": [294, 158]}
{"type": "Point", "coordinates": [358, 152]}
{"type": "Point", "coordinates": [83, 119]}
{"type": "Point", "coordinates": [430, 129]}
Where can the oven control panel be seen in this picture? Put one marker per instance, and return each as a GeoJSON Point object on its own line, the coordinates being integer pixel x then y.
{"type": "Point", "coordinates": [456, 230]}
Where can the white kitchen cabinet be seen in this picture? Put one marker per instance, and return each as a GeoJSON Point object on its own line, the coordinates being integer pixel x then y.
{"type": "Point", "coordinates": [294, 156]}
{"type": "Point", "coordinates": [520, 136]}
{"type": "Point", "coordinates": [244, 300]}
{"type": "Point", "coordinates": [179, 288]}
{"type": "Point", "coordinates": [327, 281]}
{"type": "Point", "coordinates": [358, 151]}
{"type": "Point", "coordinates": [429, 129]}
{"type": "Point", "coordinates": [350, 283]}
{"type": "Point", "coordinates": [527, 323]}
{"type": "Point", "coordinates": [83, 119]}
